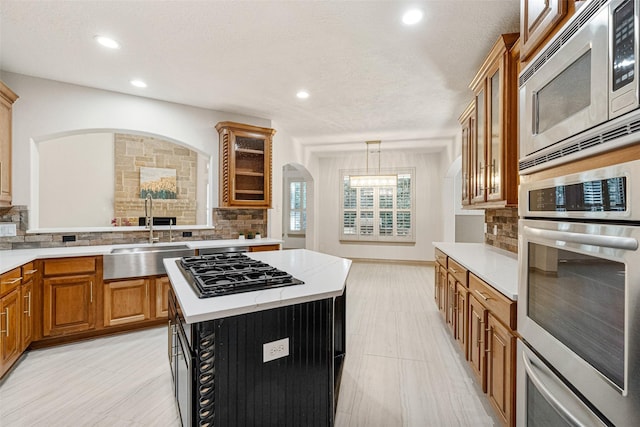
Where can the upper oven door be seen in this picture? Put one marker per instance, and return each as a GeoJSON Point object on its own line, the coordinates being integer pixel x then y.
{"type": "Point", "coordinates": [579, 289]}
{"type": "Point", "coordinates": [568, 93]}
{"type": "Point", "coordinates": [603, 194]}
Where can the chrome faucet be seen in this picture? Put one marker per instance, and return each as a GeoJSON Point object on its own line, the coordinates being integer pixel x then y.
{"type": "Point", "coordinates": [148, 213]}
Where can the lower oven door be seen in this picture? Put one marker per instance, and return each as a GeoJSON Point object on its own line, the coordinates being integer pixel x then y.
{"type": "Point", "coordinates": [544, 399]}
{"type": "Point", "coordinates": [579, 290]}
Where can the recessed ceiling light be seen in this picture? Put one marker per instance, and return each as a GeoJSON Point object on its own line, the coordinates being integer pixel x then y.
{"type": "Point", "coordinates": [138, 83]}
{"type": "Point", "coordinates": [412, 17]}
{"type": "Point", "coordinates": [303, 94]}
{"type": "Point", "coordinates": [107, 42]}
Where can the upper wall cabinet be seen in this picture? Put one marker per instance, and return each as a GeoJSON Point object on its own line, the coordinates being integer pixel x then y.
{"type": "Point", "coordinates": [469, 129]}
{"type": "Point", "coordinates": [7, 98]}
{"type": "Point", "coordinates": [491, 142]}
{"type": "Point", "coordinates": [540, 20]}
{"type": "Point", "coordinates": [245, 165]}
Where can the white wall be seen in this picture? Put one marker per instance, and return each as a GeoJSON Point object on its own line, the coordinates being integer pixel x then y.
{"type": "Point", "coordinates": [428, 225]}
{"type": "Point", "coordinates": [48, 109]}
{"type": "Point", "coordinates": [82, 167]}
{"type": "Point", "coordinates": [284, 151]}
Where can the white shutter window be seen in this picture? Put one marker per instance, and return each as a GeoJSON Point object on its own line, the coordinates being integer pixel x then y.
{"type": "Point", "coordinates": [384, 214]}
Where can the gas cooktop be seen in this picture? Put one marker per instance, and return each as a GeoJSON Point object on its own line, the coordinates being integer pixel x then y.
{"type": "Point", "coordinates": [231, 273]}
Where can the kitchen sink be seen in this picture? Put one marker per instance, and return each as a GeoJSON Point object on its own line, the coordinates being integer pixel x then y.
{"type": "Point", "coordinates": [136, 249]}
{"type": "Point", "coordinates": [140, 261]}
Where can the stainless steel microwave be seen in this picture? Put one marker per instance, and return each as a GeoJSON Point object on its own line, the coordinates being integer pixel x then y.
{"type": "Point", "coordinates": [579, 96]}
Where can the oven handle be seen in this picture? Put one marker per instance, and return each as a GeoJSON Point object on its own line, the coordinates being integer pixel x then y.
{"type": "Point", "coordinates": [615, 242]}
{"type": "Point", "coordinates": [550, 398]}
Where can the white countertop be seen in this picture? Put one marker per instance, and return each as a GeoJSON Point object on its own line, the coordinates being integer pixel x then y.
{"type": "Point", "coordinates": [497, 267]}
{"type": "Point", "coordinates": [11, 259]}
{"type": "Point", "coordinates": [324, 276]}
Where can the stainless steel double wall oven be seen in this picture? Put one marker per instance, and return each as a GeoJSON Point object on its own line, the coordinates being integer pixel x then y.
{"type": "Point", "coordinates": [579, 295]}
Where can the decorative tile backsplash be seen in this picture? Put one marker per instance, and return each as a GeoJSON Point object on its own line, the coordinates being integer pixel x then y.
{"type": "Point", "coordinates": [505, 221]}
{"type": "Point", "coordinates": [228, 224]}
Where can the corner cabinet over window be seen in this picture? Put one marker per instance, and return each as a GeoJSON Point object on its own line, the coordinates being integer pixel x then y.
{"type": "Point", "coordinates": [490, 130]}
{"type": "Point", "coordinates": [7, 98]}
{"type": "Point", "coordinates": [245, 165]}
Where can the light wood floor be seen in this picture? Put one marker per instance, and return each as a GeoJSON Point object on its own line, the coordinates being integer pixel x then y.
{"type": "Point", "coordinates": [402, 368]}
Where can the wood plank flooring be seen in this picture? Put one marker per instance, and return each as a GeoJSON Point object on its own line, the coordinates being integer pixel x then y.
{"type": "Point", "coordinates": [402, 368]}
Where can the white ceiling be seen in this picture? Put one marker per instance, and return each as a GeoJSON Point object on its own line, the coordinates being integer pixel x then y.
{"type": "Point", "coordinates": [369, 76]}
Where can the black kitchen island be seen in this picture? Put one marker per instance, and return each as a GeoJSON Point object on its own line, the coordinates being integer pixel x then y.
{"type": "Point", "coordinates": [270, 357]}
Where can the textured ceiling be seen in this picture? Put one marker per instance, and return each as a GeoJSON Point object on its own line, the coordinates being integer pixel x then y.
{"type": "Point", "coordinates": [369, 76]}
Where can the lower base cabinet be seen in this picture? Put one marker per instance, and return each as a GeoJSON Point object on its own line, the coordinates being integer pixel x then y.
{"type": "Point", "coordinates": [126, 301]}
{"type": "Point", "coordinates": [501, 351]}
{"type": "Point", "coordinates": [461, 313]}
{"type": "Point", "coordinates": [69, 295]}
{"type": "Point", "coordinates": [477, 339]}
{"type": "Point", "coordinates": [9, 329]}
{"type": "Point", "coordinates": [136, 300]}
{"type": "Point", "coordinates": [483, 323]}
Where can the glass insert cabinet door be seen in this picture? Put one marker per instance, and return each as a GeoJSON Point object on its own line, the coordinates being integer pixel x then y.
{"type": "Point", "coordinates": [245, 165]}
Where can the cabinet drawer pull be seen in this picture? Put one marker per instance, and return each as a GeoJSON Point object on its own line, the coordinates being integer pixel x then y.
{"type": "Point", "coordinates": [453, 270]}
{"type": "Point", "coordinates": [483, 296]}
{"type": "Point", "coordinates": [30, 271]}
{"type": "Point", "coordinates": [6, 314]}
{"type": "Point", "coordinates": [12, 281]}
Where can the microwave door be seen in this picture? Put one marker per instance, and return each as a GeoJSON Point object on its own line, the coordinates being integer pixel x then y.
{"type": "Point", "coordinates": [568, 94]}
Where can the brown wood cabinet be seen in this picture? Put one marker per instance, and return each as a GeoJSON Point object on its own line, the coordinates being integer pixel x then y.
{"type": "Point", "coordinates": [263, 248]}
{"type": "Point", "coordinates": [469, 129]}
{"type": "Point", "coordinates": [490, 129]}
{"type": "Point", "coordinates": [245, 165]}
{"type": "Point", "coordinates": [126, 301]}
{"type": "Point", "coordinates": [162, 285]}
{"type": "Point", "coordinates": [538, 20]}
{"type": "Point", "coordinates": [10, 341]}
{"type": "Point", "coordinates": [462, 322]}
{"type": "Point", "coordinates": [477, 338]}
{"type": "Point", "coordinates": [133, 301]}
{"type": "Point", "coordinates": [70, 295]}
{"type": "Point", "coordinates": [492, 347]}
{"type": "Point", "coordinates": [501, 350]}
{"type": "Point", "coordinates": [440, 281]}
{"type": "Point", "coordinates": [483, 323]}
{"type": "Point", "coordinates": [27, 307]}
{"type": "Point", "coordinates": [7, 98]}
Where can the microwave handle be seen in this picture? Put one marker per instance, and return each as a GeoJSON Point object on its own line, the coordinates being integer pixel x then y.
{"type": "Point", "coordinates": [615, 242]}
{"type": "Point", "coordinates": [563, 411]}
{"type": "Point", "coordinates": [534, 113]}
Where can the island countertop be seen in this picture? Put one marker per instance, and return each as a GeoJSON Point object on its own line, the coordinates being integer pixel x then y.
{"type": "Point", "coordinates": [324, 276]}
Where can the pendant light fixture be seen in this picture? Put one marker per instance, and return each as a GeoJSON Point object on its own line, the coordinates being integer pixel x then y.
{"type": "Point", "coordinates": [371, 179]}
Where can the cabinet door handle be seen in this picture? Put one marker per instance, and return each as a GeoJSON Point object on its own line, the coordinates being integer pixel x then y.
{"type": "Point", "coordinates": [480, 333]}
{"type": "Point", "coordinates": [6, 315]}
{"type": "Point", "coordinates": [28, 297]}
{"type": "Point", "coordinates": [488, 331]}
{"type": "Point", "coordinates": [483, 296]}
{"type": "Point", "coordinates": [30, 271]}
{"type": "Point", "coordinates": [12, 281]}
{"type": "Point", "coordinates": [91, 291]}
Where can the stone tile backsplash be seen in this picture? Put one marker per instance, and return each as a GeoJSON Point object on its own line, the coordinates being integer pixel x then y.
{"type": "Point", "coordinates": [506, 222]}
{"type": "Point", "coordinates": [228, 224]}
